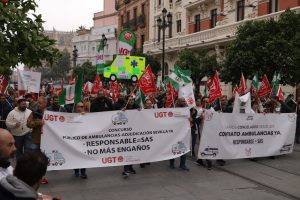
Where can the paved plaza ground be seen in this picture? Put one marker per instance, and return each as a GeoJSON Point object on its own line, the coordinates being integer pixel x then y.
{"type": "Point", "coordinates": [265, 179]}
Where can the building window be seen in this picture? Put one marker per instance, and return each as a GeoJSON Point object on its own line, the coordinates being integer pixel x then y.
{"type": "Point", "coordinates": [122, 19]}
{"type": "Point", "coordinates": [159, 2]}
{"type": "Point", "coordinates": [127, 16]}
{"type": "Point", "coordinates": [273, 6]}
{"type": "Point", "coordinates": [135, 15]}
{"type": "Point", "coordinates": [178, 23]}
{"type": "Point", "coordinates": [213, 15]}
{"type": "Point", "coordinates": [108, 30]}
{"type": "Point", "coordinates": [142, 42]}
{"type": "Point", "coordinates": [240, 10]}
{"type": "Point", "coordinates": [197, 23]}
{"type": "Point", "coordinates": [143, 9]}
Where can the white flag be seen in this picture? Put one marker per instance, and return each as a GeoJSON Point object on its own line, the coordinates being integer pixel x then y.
{"type": "Point", "coordinates": [187, 93]}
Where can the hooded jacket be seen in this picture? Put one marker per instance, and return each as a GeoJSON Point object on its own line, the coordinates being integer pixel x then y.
{"type": "Point", "coordinates": [12, 188]}
{"type": "Point", "coordinates": [18, 116]}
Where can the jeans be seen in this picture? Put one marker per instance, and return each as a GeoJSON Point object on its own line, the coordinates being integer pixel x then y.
{"type": "Point", "coordinates": [194, 138]}
{"type": "Point", "coordinates": [23, 143]}
{"type": "Point", "coordinates": [182, 162]}
{"type": "Point", "coordinates": [128, 168]}
{"type": "Point", "coordinates": [82, 171]}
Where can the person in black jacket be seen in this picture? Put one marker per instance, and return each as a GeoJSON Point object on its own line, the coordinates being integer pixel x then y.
{"type": "Point", "coordinates": [298, 121]}
{"type": "Point", "coordinates": [101, 103]}
{"type": "Point", "coordinates": [5, 108]}
{"type": "Point", "coordinates": [55, 105]}
{"type": "Point", "coordinates": [120, 103]}
{"type": "Point", "coordinates": [128, 169]}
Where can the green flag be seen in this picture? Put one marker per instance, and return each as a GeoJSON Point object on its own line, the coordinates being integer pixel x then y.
{"type": "Point", "coordinates": [255, 82]}
{"type": "Point", "coordinates": [140, 98]}
{"type": "Point", "coordinates": [275, 82]}
{"type": "Point", "coordinates": [73, 92]}
{"type": "Point", "coordinates": [179, 77]}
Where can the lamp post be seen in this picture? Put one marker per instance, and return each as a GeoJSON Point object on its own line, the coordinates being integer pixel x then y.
{"type": "Point", "coordinates": [162, 24]}
{"type": "Point", "coordinates": [103, 43]}
{"type": "Point", "coordinates": [75, 55]}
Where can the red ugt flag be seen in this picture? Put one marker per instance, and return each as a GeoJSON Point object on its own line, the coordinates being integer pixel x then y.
{"type": "Point", "coordinates": [264, 87]}
{"type": "Point", "coordinates": [146, 82]}
{"type": "Point", "coordinates": [242, 86]}
{"type": "Point", "coordinates": [170, 95]}
{"type": "Point", "coordinates": [3, 84]}
{"type": "Point", "coordinates": [214, 87]}
{"type": "Point", "coordinates": [97, 84]}
{"type": "Point", "coordinates": [235, 90]}
{"type": "Point", "coordinates": [280, 94]}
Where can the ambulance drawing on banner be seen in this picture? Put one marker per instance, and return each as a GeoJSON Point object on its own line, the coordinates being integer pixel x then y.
{"type": "Point", "coordinates": [208, 151]}
{"type": "Point", "coordinates": [56, 158]}
{"type": "Point", "coordinates": [119, 119]}
{"type": "Point", "coordinates": [179, 148]}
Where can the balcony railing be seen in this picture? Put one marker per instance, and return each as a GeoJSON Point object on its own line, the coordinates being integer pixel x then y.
{"type": "Point", "coordinates": [142, 21]}
{"type": "Point", "coordinates": [224, 32]}
{"type": "Point", "coordinates": [132, 24]}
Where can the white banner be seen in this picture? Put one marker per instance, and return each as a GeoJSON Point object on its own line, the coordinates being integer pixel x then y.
{"type": "Point", "coordinates": [233, 136]}
{"type": "Point", "coordinates": [73, 140]}
{"type": "Point", "coordinates": [29, 81]}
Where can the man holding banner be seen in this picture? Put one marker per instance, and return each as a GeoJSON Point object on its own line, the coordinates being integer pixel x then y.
{"type": "Point", "coordinates": [180, 103]}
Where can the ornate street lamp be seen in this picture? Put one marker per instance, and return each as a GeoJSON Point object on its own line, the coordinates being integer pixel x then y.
{"type": "Point", "coordinates": [104, 39]}
{"type": "Point", "coordinates": [162, 24]}
{"type": "Point", "coordinates": [75, 56]}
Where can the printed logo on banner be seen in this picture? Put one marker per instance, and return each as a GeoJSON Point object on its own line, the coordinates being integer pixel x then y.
{"type": "Point", "coordinates": [119, 119]}
{"type": "Point", "coordinates": [163, 114]}
{"type": "Point", "coordinates": [55, 158]}
{"type": "Point", "coordinates": [208, 116]}
{"type": "Point", "coordinates": [292, 117]}
{"type": "Point", "coordinates": [248, 151]}
{"type": "Point", "coordinates": [250, 118]}
{"type": "Point", "coordinates": [54, 118]}
{"type": "Point", "coordinates": [210, 151]}
{"type": "Point", "coordinates": [286, 148]}
{"type": "Point", "coordinates": [179, 148]}
{"type": "Point", "coordinates": [112, 159]}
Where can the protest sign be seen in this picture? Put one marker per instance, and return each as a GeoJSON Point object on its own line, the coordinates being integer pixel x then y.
{"type": "Point", "coordinates": [233, 136]}
{"type": "Point", "coordinates": [73, 140]}
{"type": "Point", "coordinates": [29, 81]}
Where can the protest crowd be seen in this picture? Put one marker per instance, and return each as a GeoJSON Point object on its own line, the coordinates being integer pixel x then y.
{"type": "Point", "coordinates": [21, 120]}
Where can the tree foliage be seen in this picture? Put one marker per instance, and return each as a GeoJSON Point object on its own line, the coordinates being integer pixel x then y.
{"type": "Point", "coordinates": [88, 69]}
{"type": "Point", "coordinates": [200, 62]}
{"type": "Point", "coordinates": [21, 36]}
{"type": "Point", "coordinates": [58, 69]}
{"type": "Point", "coordinates": [265, 47]}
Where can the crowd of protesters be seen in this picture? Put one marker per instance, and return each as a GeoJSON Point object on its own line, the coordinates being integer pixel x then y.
{"type": "Point", "coordinates": [21, 121]}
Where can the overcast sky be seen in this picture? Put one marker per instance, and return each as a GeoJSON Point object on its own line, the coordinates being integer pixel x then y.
{"type": "Point", "coordinates": [67, 15]}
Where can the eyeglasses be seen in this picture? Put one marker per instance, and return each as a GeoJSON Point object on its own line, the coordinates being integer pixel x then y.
{"type": "Point", "coordinates": [80, 106]}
